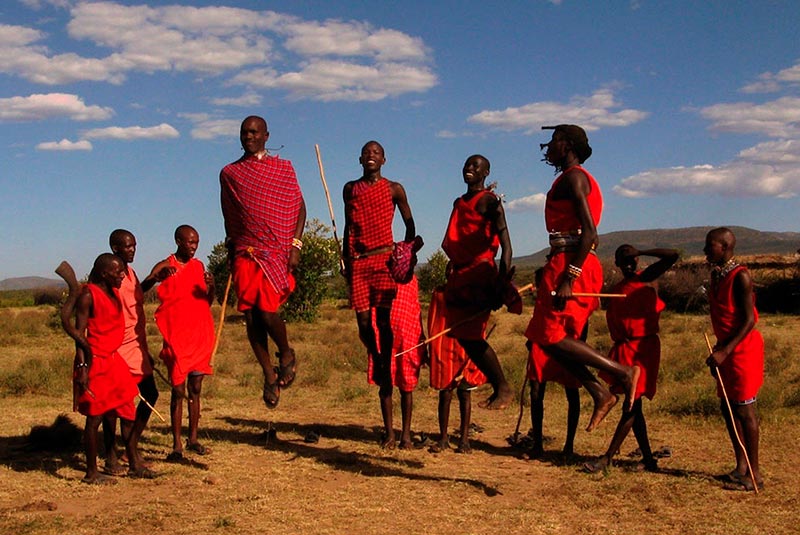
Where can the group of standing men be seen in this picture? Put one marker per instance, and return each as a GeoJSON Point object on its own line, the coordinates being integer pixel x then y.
{"type": "Point", "coordinates": [265, 213]}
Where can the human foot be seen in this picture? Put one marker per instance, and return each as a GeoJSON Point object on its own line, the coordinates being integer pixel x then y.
{"type": "Point", "coordinates": [98, 479]}
{"type": "Point", "coordinates": [601, 410]}
{"type": "Point", "coordinates": [464, 447]}
{"type": "Point", "coordinates": [598, 465]}
{"type": "Point", "coordinates": [271, 394]}
{"type": "Point", "coordinates": [197, 448]}
{"type": "Point", "coordinates": [647, 465]}
{"type": "Point", "coordinates": [287, 369]}
{"type": "Point", "coordinates": [500, 400]}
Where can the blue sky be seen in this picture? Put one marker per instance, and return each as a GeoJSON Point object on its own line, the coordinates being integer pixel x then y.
{"type": "Point", "coordinates": [121, 114]}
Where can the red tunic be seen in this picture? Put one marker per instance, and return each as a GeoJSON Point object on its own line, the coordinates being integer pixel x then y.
{"type": "Point", "coordinates": [111, 384]}
{"type": "Point", "coordinates": [743, 370]}
{"type": "Point", "coordinates": [134, 344]}
{"type": "Point", "coordinates": [184, 319]}
{"type": "Point", "coordinates": [261, 201]}
{"type": "Point", "coordinates": [407, 332]}
{"type": "Point", "coordinates": [633, 325]}
{"type": "Point", "coordinates": [449, 364]}
{"type": "Point", "coordinates": [370, 213]}
{"type": "Point", "coordinates": [549, 326]}
{"type": "Point", "coordinates": [471, 245]}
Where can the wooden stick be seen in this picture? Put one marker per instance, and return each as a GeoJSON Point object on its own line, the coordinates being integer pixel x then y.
{"type": "Point", "coordinates": [221, 319]}
{"type": "Point", "coordinates": [465, 320]}
{"type": "Point", "coordinates": [730, 413]}
{"type": "Point", "coordinates": [589, 294]}
{"type": "Point", "coordinates": [151, 407]}
{"type": "Point", "coordinates": [330, 206]}
{"type": "Point", "coordinates": [521, 399]}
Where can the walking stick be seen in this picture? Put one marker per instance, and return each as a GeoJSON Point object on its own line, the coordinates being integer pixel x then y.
{"type": "Point", "coordinates": [151, 407]}
{"type": "Point", "coordinates": [221, 319]}
{"type": "Point", "coordinates": [589, 294]}
{"type": "Point", "coordinates": [330, 206]}
{"type": "Point", "coordinates": [521, 400]}
{"type": "Point", "coordinates": [730, 413]}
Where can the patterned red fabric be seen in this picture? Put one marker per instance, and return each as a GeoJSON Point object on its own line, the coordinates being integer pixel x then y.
{"type": "Point", "coordinates": [111, 384]}
{"type": "Point", "coordinates": [543, 368]}
{"type": "Point", "coordinates": [743, 370]}
{"type": "Point", "coordinates": [134, 343]}
{"type": "Point", "coordinates": [261, 201]}
{"type": "Point", "coordinates": [469, 237]}
{"type": "Point", "coordinates": [633, 325]}
{"type": "Point", "coordinates": [559, 214]}
{"type": "Point", "coordinates": [254, 290]}
{"type": "Point", "coordinates": [549, 326]}
{"type": "Point", "coordinates": [184, 319]}
{"type": "Point", "coordinates": [370, 213]}
{"type": "Point", "coordinates": [371, 285]}
{"type": "Point", "coordinates": [449, 363]}
{"type": "Point", "coordinates": [406, 324]}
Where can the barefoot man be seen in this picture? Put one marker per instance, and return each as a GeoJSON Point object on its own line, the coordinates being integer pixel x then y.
{"type": "Point", "coordinates": [264, 216]}
{"type": "Point", "coordinates": [572, 212]}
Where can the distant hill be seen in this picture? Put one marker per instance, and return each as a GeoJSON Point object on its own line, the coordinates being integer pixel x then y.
{"type": "Point", "coordinates": [29, 283]}
{"type": "Point", "coordinates": [689, 241]}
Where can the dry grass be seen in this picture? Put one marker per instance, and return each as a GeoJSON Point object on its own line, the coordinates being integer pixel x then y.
{"type": "Point", "coordinates": [346, 484]}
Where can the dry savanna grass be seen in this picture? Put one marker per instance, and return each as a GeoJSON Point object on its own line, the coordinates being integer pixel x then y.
{"type": "Point", "coordinates": [262, 476]}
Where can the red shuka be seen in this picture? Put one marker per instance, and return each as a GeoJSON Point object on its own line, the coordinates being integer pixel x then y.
{"type": "Point", "coordinates": [184, 319]}
{"type": "Point", "coordinates": [743, 370]}
{"type": "Point", "coordinates": [111, 385]}
{"type": "Point", "coordinates": [134, 344]}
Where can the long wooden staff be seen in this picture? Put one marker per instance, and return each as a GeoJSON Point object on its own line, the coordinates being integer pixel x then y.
{"type": "Point", "coordinates": [521, 400]}
{"type": "Point", "coordinates": [141, 397]}
{"type": "Point", "coordinates": [221, 319]}
{"type": "Point", "coordinates": [456, 324]}
{"type": "Point", "coordinates": [589, 294]}
{"type": "Point", "coordinates": [730, 413]}
{"type": "Point", "coordinates": [330, 206]}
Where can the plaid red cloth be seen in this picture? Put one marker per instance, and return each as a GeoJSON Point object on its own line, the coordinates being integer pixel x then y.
{"type": "Point", "coordinates": [407, 331]}
{"type": "Point", "coordinates": [370, 213]}
{"type": "Point", "coordinates": [261, 201]}
{"type": "Point", "coordinates": [371, 285]}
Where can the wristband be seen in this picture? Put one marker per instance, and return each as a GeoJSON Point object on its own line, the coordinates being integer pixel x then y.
{"type": "Point", "coordinates": [574, 272]}
{"type": "Point", "coordinates": [297, 244]}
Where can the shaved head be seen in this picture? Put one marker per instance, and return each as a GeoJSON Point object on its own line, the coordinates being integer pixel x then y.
{"type": "Point", "coordinates": [723, 235]}
{"type": "Point", "coordinates": [118, 237]}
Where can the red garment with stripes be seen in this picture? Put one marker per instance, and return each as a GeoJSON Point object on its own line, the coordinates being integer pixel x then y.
{"type": "Point", "coordinates": [184, 319]}
{"type": "Point", "coordinates": [261, 201]}
{"type": "Point", "coordinates": [370, 213]}
{"type": "Point", "coordinates": [111, 386]}
{"type": "Point", "coordinates": [743, 370]}
{"type": "Point", "coordinates": [560, 214]}
{"type": "Point", "coordinates": [633, 325]}
{"type": "Point", "coordinates": [449, 363]}
{"type": "Point", "coordinates": [406, 324]}
{"type": "Point", "coordinates": [469, 237]}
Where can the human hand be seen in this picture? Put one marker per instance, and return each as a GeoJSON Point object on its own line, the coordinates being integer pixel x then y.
{"type": "Point", "coordinates": [563, 293]}
{"type": "Point", "coordinates": [294, 259]}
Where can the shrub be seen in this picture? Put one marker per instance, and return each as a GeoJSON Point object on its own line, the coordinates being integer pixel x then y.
{"type": "Point", "coordinates": [432, 274]}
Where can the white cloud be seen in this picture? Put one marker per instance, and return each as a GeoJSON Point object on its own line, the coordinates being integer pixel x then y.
{"type": "Point", "coordinates": [162, 131]}
{"type": "Point", "coordinates": [596, 111]}
{"type": "Point", "coordinates": [65, 145]}
{"type": "Point", "coordinates": [281, 51]}
{"type": "Point", "coordinates": [39, 107]}
{"type": "Point", "coordinates": [212, 128]}
{"type": "Point", "coordinates": [248, 99]}
{"type": "Point", "coordinates": [771, 82]}
{"type": "Point", "coordinates": [769, 169]}
{"type": "Point", "coordinates": [531, 203]}
{"type": "Point", "coordinates": [776, 118]}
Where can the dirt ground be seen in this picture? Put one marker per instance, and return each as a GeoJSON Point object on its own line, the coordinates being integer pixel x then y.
{"type": "Point", "coordinates": [255, 481]}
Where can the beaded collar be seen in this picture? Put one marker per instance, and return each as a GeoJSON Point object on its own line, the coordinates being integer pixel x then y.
{"type": "Point", "coordinates": [720, 272]}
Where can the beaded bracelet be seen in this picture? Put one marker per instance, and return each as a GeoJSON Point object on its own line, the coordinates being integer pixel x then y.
{"type": "Point", "coordinates": [297, 244]}
{"type": "Point", "coordinates": [574, 272]}
{"type": "Point", "coordinates": [81, 365]}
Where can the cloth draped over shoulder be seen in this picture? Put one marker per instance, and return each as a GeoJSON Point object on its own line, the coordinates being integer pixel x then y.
{"type": "Point", "coordinates": [743, 370]}
{"type": "Point", "coordinates": [111, 386]}
{"type": "Point", "coordinates": [184, 319]}
{"type": "Point", "coordinates": [134, 343]}
{"type": "Point", "coordinates": [560, 215]}
{"type": "Point", "coordinates": [470, 237]}
{"type": "Point", "coordinates": [633, 326]}
{"type": "Point", "coordinates": [370, 212]}
{"type": "Point", "coordinates": [261, 201]}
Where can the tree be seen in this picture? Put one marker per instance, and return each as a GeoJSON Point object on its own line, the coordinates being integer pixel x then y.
{"type": "Point", "coordinates": [433, 273]}
{"type": "Point", "coordinates": [219, 268]}
{"type": "Point", "coordinates": [319, 261]}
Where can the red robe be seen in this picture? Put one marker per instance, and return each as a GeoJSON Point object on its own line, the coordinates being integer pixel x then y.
{"type": "Point", "coordinates": [471, 245]}
{"type": "Point", "coordinates": [370, 213]}
{"type": "Point", "coordinates": [111, 385]}
{"type": "Point", "coordinates": [743, 370]}
{"type": "Point", "coordinates": [134, 344]}
{"type": "Point", "coordinates": [184, 319]}
{"type": "Point", "coordinates": [449, 363]}
{"type": "Point", "coordinates": [633, 325]}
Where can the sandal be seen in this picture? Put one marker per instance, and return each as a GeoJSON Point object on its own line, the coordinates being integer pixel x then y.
{"type": "Point", "coordinates": [271, 394]}
{"type": "Point", "coordinates": [197, 448]}
{"type": "Point", "coordinates": [287, 370]}
{"type": "Point", "coordinates": [175, 457]}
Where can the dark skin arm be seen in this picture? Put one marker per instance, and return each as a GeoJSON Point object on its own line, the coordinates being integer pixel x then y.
{"type": "Point", "coordinates": [666, 259]}
{"type": "Point", "coordinates": [743, 296]}
{"type": "Point", "coordinates": [347, 195]}
{"type": "Point", "coordinates": [160, 271]}
{"type": "Point", "coordinates": [575, 186]}
{"type": "Point", "coordinates": [490, 207]}
{"type": "Point", "coordinates": [83, 310]}
{"type": "Point", "coordinates": [401, 202]}
{"type": "Point", "coordinates": [294, 252]}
